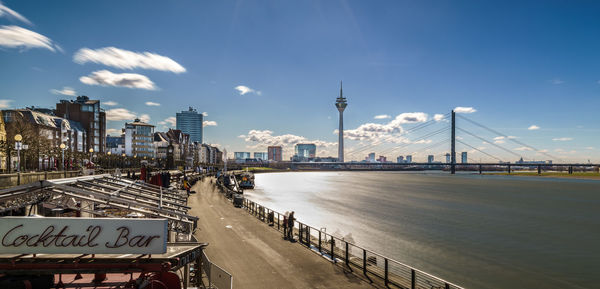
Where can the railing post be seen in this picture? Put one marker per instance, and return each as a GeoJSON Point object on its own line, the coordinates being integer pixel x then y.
{"type": "Point", "coordinates": [413, 279]}
{"type": "Point", "coordinates": [365, 262]}
{"type": "Point", "coordinates": [308, 236]}
{"type": "Point", "coordinates": [278, 221]}
{"type": "Point", "coordinates": [386, 271]}
{"type": "Point", "coordinates": [446, 285]}
{"type": "Point", "coordinates": [300, 232]}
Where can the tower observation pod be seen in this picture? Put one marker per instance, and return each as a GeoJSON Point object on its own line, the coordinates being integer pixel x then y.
{"type": "Point", "coordinates": [341, 104]}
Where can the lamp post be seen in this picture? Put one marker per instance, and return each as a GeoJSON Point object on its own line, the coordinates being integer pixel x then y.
{"type": "Point", "coordinates": [123, 161]}
{"type": "Point", "coordinates": [62, 148]}
{"type": "Point", "coordinates": [91, 150]}
{"type": "Point", "coordinates": [18, 139]}
{"type": "Point", "coordinates": [108, 153]}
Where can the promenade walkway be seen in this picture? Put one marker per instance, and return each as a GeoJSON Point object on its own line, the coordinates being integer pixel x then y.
{"type": "Point", "coordinates": [255, 254]}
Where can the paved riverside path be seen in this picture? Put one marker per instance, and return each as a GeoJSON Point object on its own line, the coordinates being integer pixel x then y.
{"type": "Point", "coordinates": [256, 254]}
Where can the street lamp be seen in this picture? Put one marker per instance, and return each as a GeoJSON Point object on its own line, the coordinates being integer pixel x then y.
{"type": "Point", "coordinates": [18, 139]}
{"type": "Point", "coordinates": [109, 153]}
{"type": "Point", "coordinates": [62, 148]}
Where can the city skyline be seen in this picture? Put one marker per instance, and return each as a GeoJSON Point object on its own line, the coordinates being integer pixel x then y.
{"type": "Point", "coordinates": [533, 79]}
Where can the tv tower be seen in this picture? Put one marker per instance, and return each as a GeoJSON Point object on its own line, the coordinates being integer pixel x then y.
{"type": "Point", "coordinates": [341, 104]}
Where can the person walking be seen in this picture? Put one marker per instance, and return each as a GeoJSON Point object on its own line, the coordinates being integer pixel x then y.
{"type": "Point", "coordinates": [291, 227]}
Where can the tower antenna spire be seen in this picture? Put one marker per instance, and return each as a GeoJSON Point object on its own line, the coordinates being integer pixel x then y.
{"type": "Point", "coordinates": [341, 92]}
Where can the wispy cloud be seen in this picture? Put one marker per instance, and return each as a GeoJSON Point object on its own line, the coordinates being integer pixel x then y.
{"type": "Point", "coordinates": [125, 59]}
{"type": "Point", "coordinates": [17, 37]}
{"type": "Point", "coordinates": [245, 90]}
{"type": "Point", "coordinates": [523, 149]}
{"type": "Point", "coordinates": [562, 139]}
{"type": "Point", "coordinates": [150, 103]}
{"type": "Point", "coordinates": [5, 11]}
{"type": "Point", "coordinates": [113, 131]}
{"type": "Point", "coordinates": [64, 91]}
{"type": "Point", "coordinates": [375, 132]}
{"type": "Point", "coordinates": [110, 103]}
{"type": "Point", "coordinates": [556, 81]}
{"type": "Point", "coordinates": [107, 78]}
{"type": "Point", "coordinates": [170, 120]}
{"type": "Point", "coordinates": [209, 123]}
{"type": "Point", "coordinates": [382, 116]}
{"type": "Point", "coordinates": [205, 114]}
{"type": "Point", "coordinates": [438, 117]}
{"type": "Point", "coordinates": [589, 148]}
{"type": "Point", "coordinates": [144, 118]}
{"type": "Point", "coordinates": [533, 127]}
{"type": "Point", "coordinates": [462, 109]}
{"type": "Point", "coordinates": [119, 114]}
{"type": "Point", "coordinates": [263, 138]}
{"type": "Point", "coordinates": [5, 103]}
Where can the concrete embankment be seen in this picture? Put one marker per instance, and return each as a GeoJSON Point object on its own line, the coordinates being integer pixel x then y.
{"type": "Point", "coordinates": [256, 255]}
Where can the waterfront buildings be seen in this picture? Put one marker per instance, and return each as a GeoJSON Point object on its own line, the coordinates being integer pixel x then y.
{"type": "Point", "coordinates": [241, 155]}
{"type": "Point", "coordinates": [463, 157]}
{"type": "Point", "coordinates": [341, 104]}
{"type": "Point", "coordinates": [92, 118]}
{"type": "Point", "coordinates": [139, 139]}
{"type": "Point", "coordinates": [409, 159]}
{"type": "Point", "coordinates": [400, 159]}
{"type": "Point", "coordinates": [382, 159]}
{"type": "Point", "coordinates": [115, 144]}
{"type": "Point", "coordinates": [275, 153]}
{"type": "Point", "coordinates": [190, 122]}
{"type": "Point", "coordinates": [261, 156]}
{"type": "Point", "coordinates": [304, 152]}
{"type": "Point", "coordinates": [430, 159]}
{"type": "Point", "coordinates": [448, 158]}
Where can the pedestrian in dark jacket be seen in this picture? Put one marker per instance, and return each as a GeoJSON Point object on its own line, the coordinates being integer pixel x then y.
{"type": "Point", "coordinates": [285, 223]}
{"type": "Point", "coordinates": [291, 226]}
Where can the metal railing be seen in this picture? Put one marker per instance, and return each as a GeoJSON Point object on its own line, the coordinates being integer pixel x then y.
{"type": "Point", "coordinates": [394, 274]}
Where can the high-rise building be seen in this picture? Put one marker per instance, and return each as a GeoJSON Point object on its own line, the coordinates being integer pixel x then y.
{"type": "Point", "coordinates": [91, 117]}
{"type": "Point", "coordinates": [261, 156]}
{"type": "Point", "coordinates": [241, 155]}
{"type": "Point", "coordinates": [448, 158]}
{"type": "Point", "coordinates": [304, 151]}
{"type": "Point", "coordinates": [139, 139]}
{"type": "Point", "coordinates": [463, 157]}
{"type": "Point", "coordinates": [190, 122]}
{"type": "Point", "coordinates": [371, 158]}
{"type": "Point", "coordinates": [400, 159]}
{"type": "Point", "coordinates": [341, 104]}
{"type": "Point", "coordinates": [275, 153]}
{"type": "Point", "coordinates": [382, 159]}
{"type": "Point", "coordinates": [430, 158]}
{"type": "Point", "coordinates": [409, 159]}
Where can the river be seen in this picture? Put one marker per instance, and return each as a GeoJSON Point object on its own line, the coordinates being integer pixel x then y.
{"type": "Point", "coordinates": [487, 231]}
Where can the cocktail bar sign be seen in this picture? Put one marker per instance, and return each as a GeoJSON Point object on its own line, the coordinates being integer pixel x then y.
{"type": "Point", "coordinates": [26, 235]}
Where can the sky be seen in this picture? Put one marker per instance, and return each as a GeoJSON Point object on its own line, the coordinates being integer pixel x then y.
{"type": "Point", "coordinates": [268, 72]}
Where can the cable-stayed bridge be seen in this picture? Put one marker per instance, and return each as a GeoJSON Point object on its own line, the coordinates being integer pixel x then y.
{"type": "Point", "coordinates": [441, 138]}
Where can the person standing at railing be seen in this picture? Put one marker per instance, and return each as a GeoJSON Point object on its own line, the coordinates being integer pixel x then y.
{"type": "Point", "coordinates": [291, 227]}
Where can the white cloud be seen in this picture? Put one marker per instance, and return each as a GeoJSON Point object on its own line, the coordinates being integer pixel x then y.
{"type": "Point", "coordinates": [107, 78]}
{"type": "Point", "coordinates": [244, 90]}
{"type": "Point", "coordinates": [119, 114]}
{"type": "Point", "coordinates": [144, 118]}
{"type": "Point", "coordinates": [556, 81]}
{"type": "Point", "coordinates": [562, 139]}
{"type": "Point", "coordinates": [438, 117]}
{"type": "Point", "coordinates": [17, 37]}
{"type": "Point", "coordinates": [5, 11]}
{"type": "Point", "coordinates": [209, 123]}
{"type": "Point", "coordinates": [205, 114]}
{"type": "Point", "coordinates": [64, 91]}
{"type": "Point", "coordinates": [589, 148]}
{"type": "Point", "coordinates": [499, 141]}
{"type": "Point", "coordinates": [533, 127]}
{"type": "Point", "coordinates": [499, 138]}
{"type": "Point", "coordinates": [150, 103]}
{"type": "Point", "coordinates": [511, 137]}
{"type": "Point", "coordinates": [170, 120]}
{"type": "Point", "coordinates": [523, 149]}
{"type": "Point", "coordinates": [462, 109]}
{"type": "Point", "coordinates": [110, 103]}
{"type": "Point", "coordinates": [382, 116]}
{"type": "Point", "coordinates": [375, 132]}
{"type": "Point", "coordinates": [113, 131]}
{"type": "Point", "coordinates": [125, 59]}
{"type": "Point", "coordinates": [5, 103]}
{"type": "Point", "coordinates": [263, 138]}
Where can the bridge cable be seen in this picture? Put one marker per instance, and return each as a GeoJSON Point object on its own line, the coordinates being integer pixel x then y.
{"type": "Point", "coordinates": [492, 143]}
{"type": "Point", "coordinates": [481, 151]}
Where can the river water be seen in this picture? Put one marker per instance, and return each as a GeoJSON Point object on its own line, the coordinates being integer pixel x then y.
{"type": "Point", "coordinates": [475, 231]}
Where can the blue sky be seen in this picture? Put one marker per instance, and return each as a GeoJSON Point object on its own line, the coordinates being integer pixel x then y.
{"type": "Point", "coordinates": [517, 64]}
